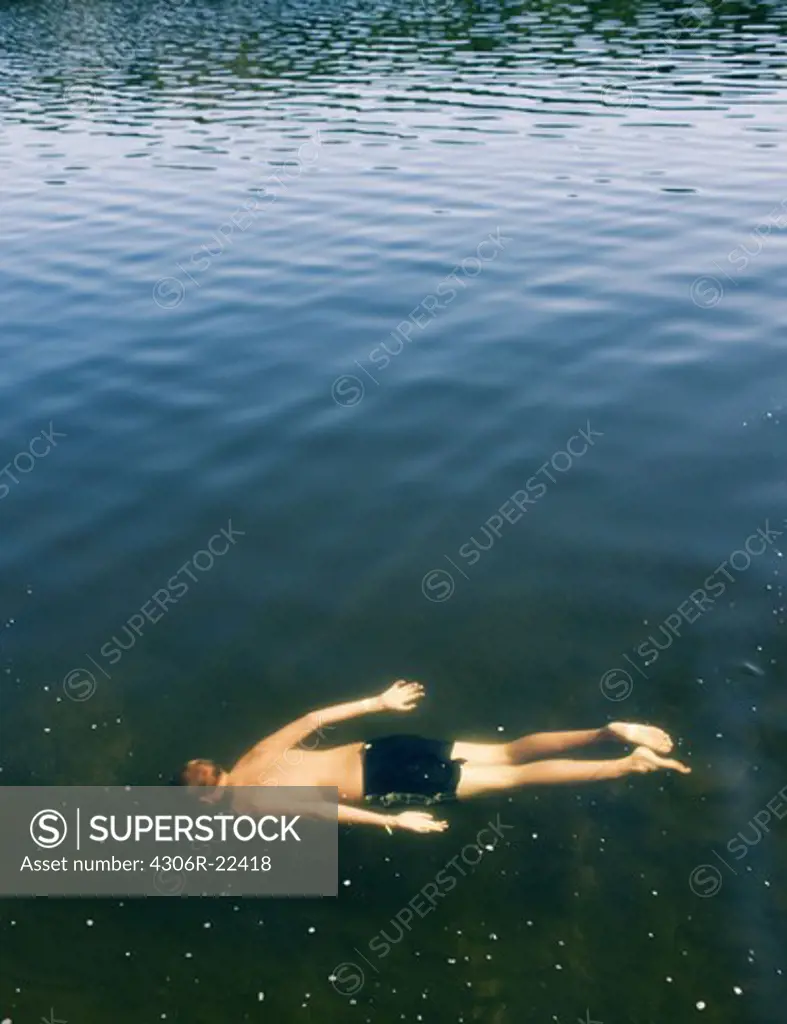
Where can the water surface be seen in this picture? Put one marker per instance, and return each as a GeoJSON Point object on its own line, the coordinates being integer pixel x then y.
{"type": "Point", "coordinates": [214, 214]}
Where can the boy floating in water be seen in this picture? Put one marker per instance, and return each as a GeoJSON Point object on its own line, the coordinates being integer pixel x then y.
{"type": "Point", "coordinates": [411, 770]}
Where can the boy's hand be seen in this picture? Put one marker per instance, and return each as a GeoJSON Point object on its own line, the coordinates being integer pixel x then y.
{"type": "Point", "coordinates": [420, 821]}
{"type": "Point", "coordinates": [402, 696]}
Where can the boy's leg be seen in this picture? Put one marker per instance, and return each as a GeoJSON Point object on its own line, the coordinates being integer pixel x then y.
{"type": "Point", "coordinates": [527, 748]}
{"type": "Point", "coordinates": [477, 779]}
{"type": "Point", "coordinates": [544, 744]}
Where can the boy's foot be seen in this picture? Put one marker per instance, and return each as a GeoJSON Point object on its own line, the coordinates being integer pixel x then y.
{"type": "Point", "coordinates": [644, 760]}
{"type": "Point", "coordinates": [642, 736]}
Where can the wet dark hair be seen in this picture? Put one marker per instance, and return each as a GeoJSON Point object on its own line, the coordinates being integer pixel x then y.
{"type": "Point", "coordinates": [199, 772]}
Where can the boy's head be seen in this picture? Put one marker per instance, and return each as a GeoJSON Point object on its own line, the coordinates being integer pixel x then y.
{"type": "Point", "coordinates": [200, 772]}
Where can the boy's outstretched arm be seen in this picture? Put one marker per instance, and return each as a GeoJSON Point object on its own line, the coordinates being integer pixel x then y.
{"type": "Point", "coordinates": [411, 821]}
{"type": "Point", "coordinates": [401, 696]}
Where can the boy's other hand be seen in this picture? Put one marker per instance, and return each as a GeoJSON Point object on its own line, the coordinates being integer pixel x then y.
{"type": "Point", "coordinates": [402, 696]}
{"type": "Point", "coordinates": [420, 821]}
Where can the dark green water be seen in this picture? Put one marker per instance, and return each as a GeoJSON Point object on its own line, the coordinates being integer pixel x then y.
{"type": "Point", "coordinates": [630, 159]}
